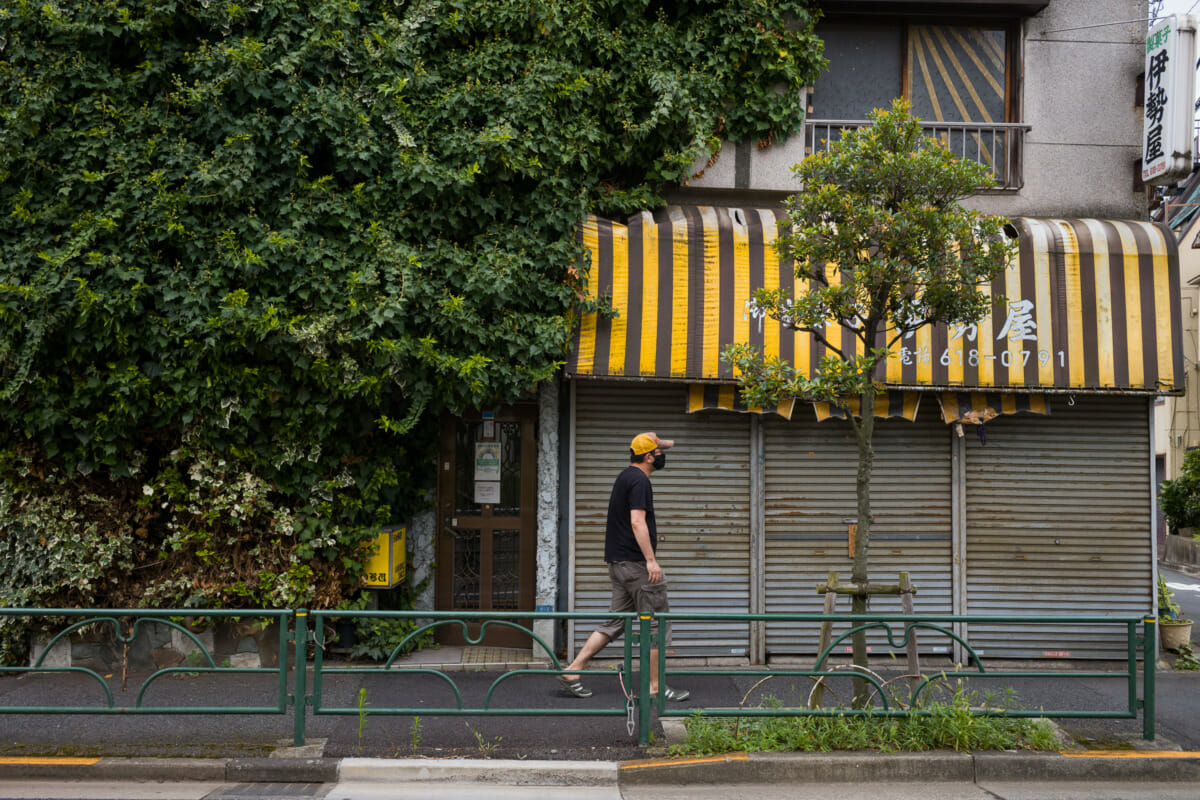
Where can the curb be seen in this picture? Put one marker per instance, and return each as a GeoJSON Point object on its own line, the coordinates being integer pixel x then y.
{"type": "Point", "coordinates": [476, 770]}
{"type": "Point", "coordinates": [173, 770]}
{"type": "Point", "coordinates": [1115, 766]}
{"type": "Point", "coordinates": [281, 770]}
{"type": "Point", "coordinates": [937, 766]}
{"type": "Point", "coordinates": [803, 768]}
{"type": "Point", "coordinates": [113, 769]}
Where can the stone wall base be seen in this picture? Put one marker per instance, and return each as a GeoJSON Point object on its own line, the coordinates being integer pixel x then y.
{"type": "Point", "coordinates": [158, 646]}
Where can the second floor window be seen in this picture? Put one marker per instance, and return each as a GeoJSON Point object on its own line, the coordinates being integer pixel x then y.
{"type": "Point", "coordinates": [958, 79]}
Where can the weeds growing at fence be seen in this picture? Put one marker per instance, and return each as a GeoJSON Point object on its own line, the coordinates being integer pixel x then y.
{"type": "Point", "coordinates": [953, 724]}
{"type": "Point", "coordinates": [363, 705]}
{"type": "Point", "coordinates": [1186, 660]}
{"type": "Point", "coordinates": [414, 735]}
{"type": "Point", "coordinates": [486, 748]}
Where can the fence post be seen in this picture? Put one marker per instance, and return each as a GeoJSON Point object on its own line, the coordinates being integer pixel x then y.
{"type": "Point", "coordinates": [644, 668]}
{"type": "Point", "coordinates": [1149, 667]}
{"type": "Point", "coordinates": [300, 684]}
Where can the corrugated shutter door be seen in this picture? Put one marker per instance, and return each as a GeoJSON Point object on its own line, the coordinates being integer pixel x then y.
{"type": "Point", "coordinates": [810, 492]}
{"type": "Point", "coordinates": [1058, 522]}
{"type": "Point", "coordinates": [701, 502]}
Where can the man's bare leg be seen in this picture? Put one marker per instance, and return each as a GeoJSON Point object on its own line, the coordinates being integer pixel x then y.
{"type": "Point", "coordinates": [594, 644]}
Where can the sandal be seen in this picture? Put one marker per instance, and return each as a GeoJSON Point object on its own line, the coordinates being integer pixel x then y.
{"type": "Point", "coordinates": [574, 687]}
{"type": "Point", "coordinates": [678, 695]}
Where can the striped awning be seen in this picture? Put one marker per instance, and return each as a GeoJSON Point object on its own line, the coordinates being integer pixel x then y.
{"type": "Point", "coordinates": [1087, 305]}
{"type": "Point", "coordinates": [727, 397]}
{"type": "Point", "coordinates": [976, 408]}
{"type": "Point", "coordinates": [887, 405]}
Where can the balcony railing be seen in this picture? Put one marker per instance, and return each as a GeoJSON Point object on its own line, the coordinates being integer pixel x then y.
{"type": "Point", "coordinates": [998, 146]}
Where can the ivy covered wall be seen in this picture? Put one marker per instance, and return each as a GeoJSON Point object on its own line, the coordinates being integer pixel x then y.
{"type": "Point", "coordinates": [247, 250]}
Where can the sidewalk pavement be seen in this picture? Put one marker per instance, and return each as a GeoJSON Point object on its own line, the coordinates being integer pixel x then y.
{"type": "Point", "coordinates": [730, 769]}
{"type": "Point", "coordinates": [537, 750]}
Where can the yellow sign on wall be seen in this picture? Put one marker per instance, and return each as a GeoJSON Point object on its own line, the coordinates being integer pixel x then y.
{"type": "Point", "coordinates": [385, 566]}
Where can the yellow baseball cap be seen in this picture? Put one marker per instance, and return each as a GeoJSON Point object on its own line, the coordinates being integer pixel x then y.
{"type": "Point", "coordinates": [643, 443]}
{"type": "Point", "coordinates": [647, 443]}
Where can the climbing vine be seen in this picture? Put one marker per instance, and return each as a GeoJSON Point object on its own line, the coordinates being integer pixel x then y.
{"type": "Point", "coordinates": [249, 250]}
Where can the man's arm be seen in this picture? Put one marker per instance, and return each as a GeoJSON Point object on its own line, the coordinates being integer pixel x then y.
{"type": "Point", "coordinates": [641, 532]}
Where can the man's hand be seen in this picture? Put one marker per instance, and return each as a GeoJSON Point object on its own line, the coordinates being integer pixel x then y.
{"type": "Point", "coordinates": [641, 533]}
{"type": "Point", "coordinates": [663, 444]}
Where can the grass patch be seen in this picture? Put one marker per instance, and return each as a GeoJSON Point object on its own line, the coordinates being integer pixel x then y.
{"type": "Point", "coordinates": [955, 724]}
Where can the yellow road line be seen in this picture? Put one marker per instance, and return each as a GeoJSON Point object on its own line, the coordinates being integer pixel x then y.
{"type": "Point", "coordinates": [47, 760]}
{"type": "Point", "coordinates": [1131, 754]}
{"type": "Point", "coordinates": [672, 762]}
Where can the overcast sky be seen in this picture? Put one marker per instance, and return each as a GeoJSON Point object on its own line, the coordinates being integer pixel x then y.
{"type": "Point", "coordinates": [1180, 6]}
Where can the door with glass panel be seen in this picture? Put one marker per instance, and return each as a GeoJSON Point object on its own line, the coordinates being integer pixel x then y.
{"type": "Point", "coordinates": [487, 533]}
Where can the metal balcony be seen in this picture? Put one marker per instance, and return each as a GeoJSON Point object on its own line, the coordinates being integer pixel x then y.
{"type": "Point", "coordinates": [998, 146]}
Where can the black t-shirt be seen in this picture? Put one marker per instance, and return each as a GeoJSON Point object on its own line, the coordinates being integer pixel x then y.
{"type": "Point", "coordinates": [631, 491]}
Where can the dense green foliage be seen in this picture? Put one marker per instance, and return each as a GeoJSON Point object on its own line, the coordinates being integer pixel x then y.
{"type": "Point", "coordinates": [1180, 498]}
{"type": "Point", "coordinates": [249, 251]}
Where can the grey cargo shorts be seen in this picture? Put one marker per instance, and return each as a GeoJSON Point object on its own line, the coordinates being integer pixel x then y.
{"type": "Point", "coordinates": [633, 591]}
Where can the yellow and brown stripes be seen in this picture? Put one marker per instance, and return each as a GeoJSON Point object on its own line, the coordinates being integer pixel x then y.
{"type": "Point", "coordinates": [1115, 302]}
{"type": "Point", "coordinates": [957, 73]}
{"type": "Point", "coordinates": [680, 280]}
{"type": "Point", "coordinates": [728, 397]}
{"type": "Point", "coordinates": [977, 407]}
{"type": "Point", "coordinates": [891, 403]}
{"type": "Point", "coordinates": [1084, 304]}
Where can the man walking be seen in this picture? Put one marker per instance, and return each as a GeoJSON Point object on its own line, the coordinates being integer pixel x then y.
{"type": "Point", "coordinates": [630, 542]}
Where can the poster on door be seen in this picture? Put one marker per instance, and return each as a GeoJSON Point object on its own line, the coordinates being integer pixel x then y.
{"type": "Point", "coordinates": [487, 472]}
{"type": "Point", "coordinates": [487, 491]}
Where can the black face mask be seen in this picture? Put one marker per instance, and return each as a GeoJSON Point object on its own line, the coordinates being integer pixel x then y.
{"type": "Point", "coordinates": [660, 461]}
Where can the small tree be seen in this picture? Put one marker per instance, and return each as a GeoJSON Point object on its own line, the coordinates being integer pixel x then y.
{"type": "Point", "coordinates": [1179, 499]}
{"type": "Point", "coordinates": [885, 248]}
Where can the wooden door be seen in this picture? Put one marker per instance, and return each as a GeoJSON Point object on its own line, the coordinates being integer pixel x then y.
{"type": "Point", "coordinates": [487, 526]}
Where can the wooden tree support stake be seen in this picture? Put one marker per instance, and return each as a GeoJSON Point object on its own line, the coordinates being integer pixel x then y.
{"type": "Point", "coordinates": [832, 588]}
{"type": "Point", "coordinates": [831, 593]}
{"type": "Point", "coordinates": [907, 590]}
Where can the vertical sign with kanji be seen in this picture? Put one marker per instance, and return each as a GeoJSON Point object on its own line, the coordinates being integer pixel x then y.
{"type": "Point", "coordinates": [386, 560]}
{"type": "Point", "coordinates": [1170, 92]}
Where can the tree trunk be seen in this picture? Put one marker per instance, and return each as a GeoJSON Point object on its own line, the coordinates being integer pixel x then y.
{"type": "Point", "coordinates": [866, 463]}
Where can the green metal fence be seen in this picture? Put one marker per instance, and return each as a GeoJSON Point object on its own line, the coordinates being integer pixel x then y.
{"type": "Point", "coordinates": [126, 624]}
{"type": "Point", "coordinates": [640, 634]}
{"type": "Point", "coordinates": [431, 620]}
{"type": "Point", "coordinates": [1143, 643]}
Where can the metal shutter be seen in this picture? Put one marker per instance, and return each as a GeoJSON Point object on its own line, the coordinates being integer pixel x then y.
{"type": "Point", "coordinates": [810, 491]}
{"type": "Point", "coordinates": [1058, 522]}
{"type": "Point", "coordinates": [701, 502]}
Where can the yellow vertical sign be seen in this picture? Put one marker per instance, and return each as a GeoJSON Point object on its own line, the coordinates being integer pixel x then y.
{"type": "Point", "coordinates": [385, 565]}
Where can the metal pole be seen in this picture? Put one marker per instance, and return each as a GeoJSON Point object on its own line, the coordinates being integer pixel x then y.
{"type": "Point", "coordinates": [318, 636]}
{"type": "Point", "coordinates": [300, 685]}
{"type": "Point", "coordinates": [1131, 640]}
{"type": "Point", "coordinates": [1149, 666]}
{"type": "Point", "coordinates": [644, 679]}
